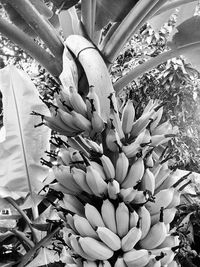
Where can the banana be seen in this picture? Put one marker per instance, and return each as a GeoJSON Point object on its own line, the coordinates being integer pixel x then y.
{"type": "Point", "coordinates": [135, 174]}
{"type": "Point", "coordinates": [128, 116]}
{"type": "Point", "coordinates": [133, 219]}
{"type": "Point", "coordinates": [65, 156]}
{"type": "Point", "coordinates": [83, 226]}
{"type": "Point", "coordinates": [141, 197]}
{"type": "Point", "coordinates": [156, 234]}
{"type": "Point", "coordinates": [93, 216]}
{"type": "Point", "coordinates": [60, 188]}
{"type": "Point", "coordinates": [162, 199]}
{"type": "Point", "coordinates": [120, 262]}
{"type": "Point", "coordinates": [64, 176]}
{"type": "Point", "coordinates": [168, 216]}
{"type": "Point", "coordinates": [98, 168]}
{"type": "Point", "coordinates": [113, 189]}
{"type": "Point", "coordinates": [121, 168]}
{"type": "Point", "coordinates": [77, 101]}
{"type": "Point", "coordinates": [169, 254]}
{"type": "Point", "coordinates": [80, 179]}
{"type": "Point", "coordinates": [128, 194]}
{"type": "Point", "coordinates": [141, 123]}
{"type": "Point", "coordinates": [148, 181]}
{"type": "Point", "coordinates": [173, 264]}
{"type": "Point", "coordinates": [156, 119]}
{"type": "Point", "coordinates": [154, 262]}
{"type": "Point", "coordinates": [149, 161]}
{"type": "Point", "coordinates": [70, 222]}
{"type": "Point", "coordinates": [88, 263]}
{"type": "Point", "coordinates": [95, 182]}
{"type": "Point", "coordinates": [171, 240]}
{"type": "Point", "coordinates": [68, 120]}
{"type": "Point", "coordinates": [81, 122]}
{"type": "Point", "coordinates": [94, 146]}
{"type": "Point", "coordinates": [77, 248]}
{"type": "Point", "coordinates": [112, 139]}
{"type": "Point", "coordinates": [132, 237]}
{"type": "Point", "coordinates": [137, 258]}
{"type": "Point", "coordinates": [95, 70]}
{"type": "Point", "coordinates": [122, 219]}
{"type": "Point", "coordinates": [108, 166]}
{"type": "Point", "coordinates": [111, 239]}
{"type": "Point", "coordinates": [157, 140]}
{"type": "Point", "coordinates": [104, 263]}
{"type": "Point", "coordinates": [114, 116]}
{"type": "Point", "coordinates": [95, 249]}
{"type": "Point", "coordinates": [97, 122]}
{"type": "Point", "coordinates": [92, 102]}
{"type": "Point", "coordinates": [163, 128]}
{"type": "Point", "coordinates": [70, 202]}
{"type": "Point", "coordinates": [108, 215]}
{"type": "Point", "coordinates": [161, 176]}
{"type": "Point", "coordinates": [145, 220]}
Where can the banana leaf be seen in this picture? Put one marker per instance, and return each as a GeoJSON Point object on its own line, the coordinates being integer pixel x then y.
{"type": "Point", "coordinates": [21, 171]}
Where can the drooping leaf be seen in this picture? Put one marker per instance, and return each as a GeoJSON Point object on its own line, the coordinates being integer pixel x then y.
{"type": "Point", "coordinates": [112, 10]}
{"type": "Point", "coordinates": [20, 153]}
{"type": "Point", "coordinates": [188, 35]}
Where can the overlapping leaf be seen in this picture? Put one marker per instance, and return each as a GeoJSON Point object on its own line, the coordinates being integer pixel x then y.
{"type": "Point", "coordinates": [24, 145]}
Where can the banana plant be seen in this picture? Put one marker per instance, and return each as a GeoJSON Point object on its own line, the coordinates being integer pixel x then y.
{"type": "Point", "coordinates": [77, 42]}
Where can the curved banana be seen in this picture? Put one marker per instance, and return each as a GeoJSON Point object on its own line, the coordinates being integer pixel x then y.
{"type": "Point", "coordinates": [108, 215]}
{"type": "Point", "coordinates": [64, 176]}
{"type": "Point", "coordinates": [128, 194]}
{"type": "Point", "coordinates": [111, 239]}
{"type": "Point", "coordinates": [171, 240]}
{"type": "Point", "coordinates": [112, 139]}
{"type": "Point", "coordinates": [108, 166]}
{"type": "Point", "coordinates": [77, 248]}
{"type": "Point", "coordinates": [77, 101]}
{"type": "Point", "coordinates": [80, 178]}
{"type": "Point", "coordinates": [131, 238]}
{"type": "Point", "coordinates": [162, 199]}
{"type": "Point", "coordinates": [135, 174]}
{"type": "Point", "coordinates": [137, 258]}
{"type": "Point", "coordinates": [120, 262]}
{"type": "Point", "coordinates": [122, 219]}
{"type": "Point", "coordinates": [70, 202]}
{"type": "Point", "coordinates": [156, 234]}
{"type": "Point", "coordinates": [113, 189]}
{"type": "Point", "coordinates": [133, 219]}
{"type": "Point", "coordinates": [95, 182]}
{"type": "Point", "coordinates": [121, 168]}
{"type": "Point", "coordinates": [156, 119]}
{"type": "Point", "coordinates": [97, 122]}
{"type": "Point", "coordinates": [148, 181]}
{"type": "Point", "coordinates": [95, 249]}
{"type": "Point", "coordinates": [88, 263]}
{"type": "Point", "coordinates": [128, 116]}
{"type": "Point", "coordinates": [83, 226]}
{"type": "Point", "coordinates": [95, 70]}
{"type": "Point", "coordinates": [93, 216]}
{"type": "Point", "coordinates": [168, 216]}
{"type": "Point", "coordinates": [98, 168]}
{"type": "Point", "coordinates": [145, 220]}
{"type": "Point", "coordinates": [81, 122]}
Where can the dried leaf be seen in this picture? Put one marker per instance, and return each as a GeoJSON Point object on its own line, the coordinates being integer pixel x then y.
{"type": "Point", "coordinates": [20, 153]}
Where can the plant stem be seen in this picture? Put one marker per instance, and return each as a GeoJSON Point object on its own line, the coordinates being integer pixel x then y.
{"type": "Point", "coordinates": [17, 36]}
{"type": "Point", "coordinates": [88, 15]}
{"type": "Point", "coordinates": [27, 257]}
{"type": "Point", "coordinates": [131, 23]}
{"type": "Point", "coordinates": [152, 63]}
{"type": "Point", "coordinates": [25, 217]}
{"type": "Point", "coordinates": [41, 26]}
{"type": "Point", "coordinates": [172, 5]}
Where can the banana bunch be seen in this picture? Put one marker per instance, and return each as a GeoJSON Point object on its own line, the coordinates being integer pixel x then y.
{"type": "Point", "coordinates": [119, 192]}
